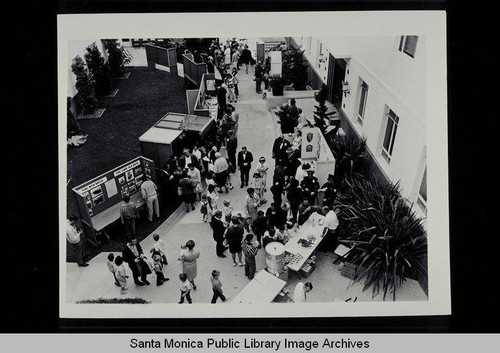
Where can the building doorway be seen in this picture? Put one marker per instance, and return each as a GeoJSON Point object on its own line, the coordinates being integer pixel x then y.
{"type": "Point", "coordinates": [336, 75]}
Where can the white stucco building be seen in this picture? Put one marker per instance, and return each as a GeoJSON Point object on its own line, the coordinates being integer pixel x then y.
{"type": "Point", "coordinates": [379, 83]}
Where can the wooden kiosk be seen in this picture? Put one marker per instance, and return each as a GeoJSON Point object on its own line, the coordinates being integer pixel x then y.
{"type": "Point", "coordinates": [203, 101]}
{"type": "Point", "coordinates": [171, 133]}
{"type": "Point", "coordinates": [99, 199]}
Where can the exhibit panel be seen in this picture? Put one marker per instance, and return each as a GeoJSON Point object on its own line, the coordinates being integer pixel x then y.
{"type": "Point", "coordinates": [99, 199]}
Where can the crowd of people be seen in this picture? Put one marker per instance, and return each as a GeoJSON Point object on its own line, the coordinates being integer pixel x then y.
{"type": "Point", "coordinates": [201, 174]}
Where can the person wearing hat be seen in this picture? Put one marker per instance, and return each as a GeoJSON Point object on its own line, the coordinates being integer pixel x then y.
{"type": "Point", "coordinates": [158, 267]}
{"type": "Point", "coordinates": [330, 191]}
{"type": "Point", "coordinates": [234, 237]}
{"type": "Point", "coordinates": [189, 262]}
{"type": "Point", "coordinates": [310, 186]}
{"type": "Point", "coordinates": [259, 71]}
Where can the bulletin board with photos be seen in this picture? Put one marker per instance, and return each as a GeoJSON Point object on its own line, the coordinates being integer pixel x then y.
{"type": "Point", "coordinates": [99, 197]}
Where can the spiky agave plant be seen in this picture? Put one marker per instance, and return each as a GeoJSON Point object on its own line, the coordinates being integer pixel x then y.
{"type": "Point", "coordinates": [387, 237]}
{"type": "Point", "coordinates": [350, 155]}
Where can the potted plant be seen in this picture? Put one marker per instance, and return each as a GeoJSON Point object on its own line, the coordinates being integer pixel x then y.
{"type": "Point", "coordinates": [277, 83]}
{"type": "Point", "coordinates": [388, 241]}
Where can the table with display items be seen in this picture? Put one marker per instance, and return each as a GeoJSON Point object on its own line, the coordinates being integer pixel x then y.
{"type": "Point", "coordinates": [263, 288]}
{"type": "Point", "coordinates": [313, 227]}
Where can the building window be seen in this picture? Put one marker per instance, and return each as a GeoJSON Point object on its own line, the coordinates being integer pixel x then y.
{"type": "Point", "coordinates": [390, 135]}
{"type": "Point", "coordinates": [363, 93]}
{"type": "Point", "coordinates": [308, 45]}
{"type": "Point", "coordinates": [408, 45]}
{"type": "Point", "coordinates": [422, 193]}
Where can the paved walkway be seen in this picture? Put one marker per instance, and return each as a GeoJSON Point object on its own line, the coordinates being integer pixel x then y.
{"type": "Point", "coordinates": [257, 131]}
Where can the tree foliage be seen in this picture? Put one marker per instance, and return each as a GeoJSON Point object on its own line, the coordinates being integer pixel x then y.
{"type": "Point", "coordinates": [85, 85]}
{"type": "Point", "coordinates": [118, 57]}
{"type": "Point", "coordinates": [99, 70]}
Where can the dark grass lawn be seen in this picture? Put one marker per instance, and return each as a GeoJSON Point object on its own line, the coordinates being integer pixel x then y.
{"type": "Point", "coordinates": [113, 139]}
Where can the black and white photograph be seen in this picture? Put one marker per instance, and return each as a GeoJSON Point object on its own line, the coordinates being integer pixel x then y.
{"type": "Point", "coordinates": [312, 188]}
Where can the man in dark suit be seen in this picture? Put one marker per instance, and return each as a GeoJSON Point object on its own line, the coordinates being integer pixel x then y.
{"type": "Point", "coordinates": [218, 233]}
{"type": "Point", "coordinates": [133, 255]}
{"type": "Point", "coordinates": [280, 147]}
{"type": "Point", "coordinates": [245, 159]}
{"type": "Point", "coordinates": [232, 146]}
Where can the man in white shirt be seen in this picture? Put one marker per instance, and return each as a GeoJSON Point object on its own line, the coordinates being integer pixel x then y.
{"type": "Point", "coordinates": [330, 225]}
{"type": "Point", "coordinates": [150, 195]}
{"type": "Point", "coordinates": [299, 293]}
{"type": "Point", "coordinates": [73, 235]}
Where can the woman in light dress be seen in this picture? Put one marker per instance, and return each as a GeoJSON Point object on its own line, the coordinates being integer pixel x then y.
{"type": "Point", "coordinates": [189, 264]}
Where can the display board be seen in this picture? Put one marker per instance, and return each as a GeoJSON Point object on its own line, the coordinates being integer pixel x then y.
{"type": "Point", "coordinates": [100, 194]}
{"type": "Point", "coordinates": [162, 56]}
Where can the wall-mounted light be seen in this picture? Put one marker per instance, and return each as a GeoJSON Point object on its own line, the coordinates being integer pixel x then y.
{"type": "Point", "coordinates": [345, 88]}
{"type": "Point", "coordinates": [321, 58]}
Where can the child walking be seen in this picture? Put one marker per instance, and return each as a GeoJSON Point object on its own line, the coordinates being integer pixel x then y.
{"type": "Point", "coordinates": [258, 185]}
{"type": "Point", "coordinates": [217, 287]}
{"type": "Point", "coordinates": [121, 274]}
{"type": "Point", "coordinates": [111, 267]}
{"type": "Point", "coordinates": [228, 209]}
{"type": "Point", "coordinates": [158, 267]}
{"type": "Point", "coordinates": [204, 208]}
{"type": "Point", "coordinates": [185, 287]}
{"type": "Point", "coordinates": [159, 249]}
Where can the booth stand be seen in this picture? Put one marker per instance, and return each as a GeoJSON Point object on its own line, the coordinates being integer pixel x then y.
{"type": "Point", "coordinates": [99, 199]}
{"type": "Point", "coordinates": [169, 135]}
{"type": "Point", "coordinates": [317, 153]}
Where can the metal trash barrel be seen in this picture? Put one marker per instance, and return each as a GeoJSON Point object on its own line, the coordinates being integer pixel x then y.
{"type": "Point", "coordinates": [275, 257]}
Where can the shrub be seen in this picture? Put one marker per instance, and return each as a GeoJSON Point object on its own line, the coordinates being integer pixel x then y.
{"type": "Point", "coordinates": [84, 85]}
{"type": "Point", "coordinates": [99, 70]}
{"type": "Point", "coordinates": [388, 240]}
{"type": "Point", "coordinates": [295, 68]}
{"type": "Point", "coordinates": [118, 57]}
{"type": "Point", "coordinates": [350, 156]}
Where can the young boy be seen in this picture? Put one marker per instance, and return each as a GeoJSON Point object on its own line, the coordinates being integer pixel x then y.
{"type": "Point", "coordinates": [217, 287]}
{"type": "Point", "coordinates": [111, 267]}
{"type": "Point", "coordinates": [228, 209]}
{"type": "Point", "coordinates": [159, 249]}
{"type": "Point", "coordinates": [121, 274]}
{"type": "Point", "coordinates": [185, 287]}
{"type": "Point", "coordinates": [158, 266]}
